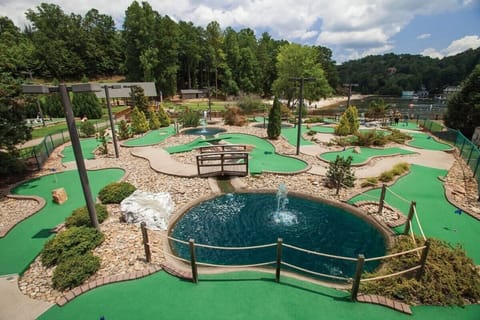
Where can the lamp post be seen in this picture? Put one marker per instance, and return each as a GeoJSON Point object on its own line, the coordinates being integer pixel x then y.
{"type": "Point", "coordinates": [299, 130]}
{"type": "Point", "coordinates": [110, 116]}
{"type": "Point", "coordinates": [77, 150]}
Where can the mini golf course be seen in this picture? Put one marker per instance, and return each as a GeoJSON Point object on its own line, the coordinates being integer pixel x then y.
{"type": "Point", "coordinates": [151, 138]}
{"type": "Point", "coordinates": [23, 243]}
{"type": "Point", "coordinates": [365, 154]}
{"type": "Point", "coordinates": [88, 147]}
{"type": "Point", "coordinates": [425, 141]}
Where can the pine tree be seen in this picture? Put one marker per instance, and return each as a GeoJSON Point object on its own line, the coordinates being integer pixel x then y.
{"type": "Point", "coordinates": [139, 121]}
{"type": "Point", "coordinates": [274, 120]}
{"type": "Point", "coordinates": [124, 131]}
{"type": "Point", "coordinates": [86, 104]}
{"type": "Point", "coordinates": [139, 99]}
{"type": "Point", "coordinates": [154, 121]}
{"type": "Point", "coordinates": [340, 173]}
{"type": "Point", "coordinates": [164, 117]}
{"type": "Point", "coordinates": [348, 123]}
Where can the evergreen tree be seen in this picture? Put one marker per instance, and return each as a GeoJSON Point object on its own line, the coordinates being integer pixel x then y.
{"type": "Point", "coordinates": [139, 99]}
{"type": "Point", "coordinates": [52, 106]}
{"type": "Point", "coordinates": [139, 121]}
{"type": "Point", "coordinates": [340, 173]}
{"type": "Point", "coordinates": [274, 120]}
{"type": "Point", "coordinates": [352, 116]}
{"type": "Point", "coordinates": [86, 104]}
{"type": "Point", "coordinates": [164, 117]}
{"type": "Point", "coordinates": [124, 130]}
{"type": "Point", "coordinates": [343, 127]}
{"type": "Point", "coordinates": [463, 111]}
{"type": "Point", "coordinates": [154, 122]}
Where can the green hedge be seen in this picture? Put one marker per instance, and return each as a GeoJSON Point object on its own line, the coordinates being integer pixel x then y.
{"type": "Point", "coordinates": [72, 242]}
{"type": "Point", "coordinates": [80, 216]}
{"type": "Point", "coordinates": [115, 192]}
{"type": "Point", "coordinates": [74, 271]}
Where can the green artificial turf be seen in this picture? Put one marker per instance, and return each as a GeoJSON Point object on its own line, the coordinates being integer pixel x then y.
{"type": "Point", "coordinates": [410, 126]}
{"type": "Point", "coordinates": [323, 129]}
{"type": "Point", "coordinates": [365, 154]}
{"type": "Point", "coordinates": [23, 243]}
{"type": "Point", "coordinates": [88, 147]}
{"type": "Point", "coordinates": [425, 141]}
{"type": "Point", "coordinates": [291, 134]}
{"type": "Point", "coordinates": [437, 215]}
{"type": "Point", "coordinates": [151, 138]}
{"type": "Point", "coordinates": [240, 295]}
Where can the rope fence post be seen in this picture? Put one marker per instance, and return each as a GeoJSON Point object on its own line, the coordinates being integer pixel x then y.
{"type": "Point", "coordinates": [193, 261]}
{"type": "Point", "coordinates": [409, 218]}
{"type": "Point", "coordinates": [423, 260]}
{"type": "Point", "coordinates": [146, 244]}
{"type": "Point", "coordinates": [382, 198]}
{"type": "Point", "coordinates": [279, 259]}
{"type": "Point", "coordinates": [358, 276]}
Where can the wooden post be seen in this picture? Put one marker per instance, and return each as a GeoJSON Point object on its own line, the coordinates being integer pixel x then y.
{"type": "Point", "coordinates": [409, 218]}
{"type": "Point", "coordinates": [358, 276]}
{"type": "Point", "coordinates": [423, 260]}
{"type": "Point", "coordinates": [146, 244]}
{"type": "Point", "coordinates": [279, 259]}
{"type": "Point", "coordinates": [193, 261]}
{"type": "Point", "coordinates": [382, 198]}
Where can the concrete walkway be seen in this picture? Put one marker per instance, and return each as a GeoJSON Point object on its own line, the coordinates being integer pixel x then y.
{"type": "Point", "coordinates": [161, 161]}
{"type": "Point", "coordinates": [15, 305]}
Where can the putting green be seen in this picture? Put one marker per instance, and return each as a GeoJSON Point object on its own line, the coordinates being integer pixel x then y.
{"type": "Point", "coordinates": [240, 295]}
{"type": "Point", "coordinates": [410, 126]}
{"type": "Point", "coordinates": [187, 147]}
{"type": "Point", "coordinates": [365, 155]}
{"type": "Point", "coordinates": [291, 134]}
{"type": "Point", "coordinates": [151, 138]}
{"type": "Point", "coordinates": [437, 215]}
{"type": "Point", "coordinates": [323, 129]}
{"type": "Point", "coordinates": [425, 141]}
{"type": "Point", "coordinates": [23, 243]}
{"type": "Point", "coordinates": [88, 147]}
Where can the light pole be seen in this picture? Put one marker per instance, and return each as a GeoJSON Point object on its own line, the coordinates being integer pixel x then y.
{"type": "Point", "coordinates": [77, 150]}
{"type": "Point", "coordinates": [349, 85]}
{"type": "Point", "coordinates": [110, 116]}
{"type": "Point", "coordinates": [300, 109]}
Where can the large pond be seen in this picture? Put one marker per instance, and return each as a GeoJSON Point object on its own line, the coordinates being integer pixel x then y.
{"type": "Point", "coordinates": [251, 219]}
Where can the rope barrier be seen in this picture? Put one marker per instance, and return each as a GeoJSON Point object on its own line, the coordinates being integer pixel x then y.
{"type": "Point", "coordinates": [411, 233]}
{"type": "Point", "coordinates": [236, 248]}
{"type": "Point", "coordinates": [235, 266]}
{"type": "Point", "coordinates": [176, 240]}
{"type": "Point", "coordinates": [397, 195]}
{"type": "Point", "coordinates": [173, 256]}
{"type": "Point", "coordinates": [319, 254]}
{"type": "Point", "coordinates": [419, 224]}
{"type": "Point", "coordinates": [391, 275]}
{"type": "Point", "coordinates": [315, 273]}
{"type": "Point", "coordinates": [395, 254]}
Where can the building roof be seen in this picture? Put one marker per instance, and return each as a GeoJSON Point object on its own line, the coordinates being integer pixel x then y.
{"type": "Point", "coordinates": [124, 90]}
{"type": "Point", "coordinates": [192, 91]}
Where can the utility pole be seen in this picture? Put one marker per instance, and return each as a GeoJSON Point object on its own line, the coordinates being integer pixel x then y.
{"type": "Point", "coordinates": [349, 86]}
{"type": "Point", "coordinates": [299, 130]}
{"type": "Point", "coordinates": [110, 116]}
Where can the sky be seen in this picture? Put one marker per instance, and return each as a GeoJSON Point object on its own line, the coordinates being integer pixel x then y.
{"type": "Point", "coordinates": [351, 29]}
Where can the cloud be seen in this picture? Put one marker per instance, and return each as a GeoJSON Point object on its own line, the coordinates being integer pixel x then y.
{"type": "Point", "coordinates": [455, 47]}
{"type": "Point", "coordinates": [423, 36]}
{"type": "Point", "coordinates": [351, 27]}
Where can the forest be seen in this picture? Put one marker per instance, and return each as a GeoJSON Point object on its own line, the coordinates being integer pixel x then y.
{"type": "Point", "coordinates": [60, 46]}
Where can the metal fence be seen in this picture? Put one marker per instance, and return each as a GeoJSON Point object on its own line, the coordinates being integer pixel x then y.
{"type": "Point", "coordinates": [467, 149]}
{"type": "Point", "coordinates": [36, 156]}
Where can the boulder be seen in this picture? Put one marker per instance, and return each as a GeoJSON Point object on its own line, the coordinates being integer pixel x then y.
{"type": "Point", "coordinates": [357, 150]}
{"type": "Point", "coordinates": [59, 195]}
{"type": "Point", "coordinates": [152, 208]}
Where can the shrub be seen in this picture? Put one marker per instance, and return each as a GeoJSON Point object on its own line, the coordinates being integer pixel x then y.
{"type": "Point", "coordinates": [370, 138]}
{"type": "Point", "coordinates": [74, 271]}
{"type": "Point", "coordinates": [369, 182]}
{"type": "Point", "coordinates": [450, 276]}
{"type": "Point", "coordinates": [103, 148]}
{"type": "Point", "coordinates": [234, 117]}
{"type": "Point", "coordinates": [115, 192]}
{"type": "Point", "coordinates": [274, 128]}
{"type": "Point", "coordinates": [398, 137]}
{"type": "Point", "coordinates": [72, 242]}
{"type": "Point", "coordinates": [87, 129]}
{"type": "Point", "coordinates": [154, 122]}
{"type": "Point", "coordinates": [386, 176]}
{"type": "Point", "coordinates": [81, 218]}
{"type": "Point", "coordinates": [164, 117]}
{"type": "Point", "coordinates": [9, 164]}
{"type": "Point", "coordinates": [190, 118]}
{"type": "Point", "coordinates": [340, 173]}
{"type": "Point", "coordinates": [139, 121]}
{"type": "Point", "coordinates": [314, 120]}
{"type": "Point", "coordinates": [251, 104]}
{"type": "Point", "coordinates": [400, 168]}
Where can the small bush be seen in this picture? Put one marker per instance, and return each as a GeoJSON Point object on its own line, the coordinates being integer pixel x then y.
{"type": "Point", "coordinates": [369, 182]}
{"type": "Point", "coordinates": [234, 117]}
{"type": "Point", "coordinates": [386, 176]}
{"type": "Point", "coordinates": [9, 164]}
{"type": "Point", "coordinates": [115, 192]}
{"type": "Point", "coordinates": [124, 130]}
{"type": "Point", "coordinates": [74, 271]}
{"type": "Point", "coordinates": [398, 137]}
{"type": "Point", "coordinates": [400, 168]}
{"type": "Point", "coordinates": [311, 132]}
{"type": "Point", "coordinates": [81, 218]}
{"type": "Point", "coordinates": [251, 104]}
{"type": "Point", "coordinates": [74, 241]}
{"type": "Point", "coordinates": [371, 138]}
{"type": "Point", "coordinates": [314, 120]}
{"type": "Point", "coordinates": [190, 118]}
{"type": "Point", "coordinates": [154, 122]}
{"type": "Point", "coordinates": [87, 129]}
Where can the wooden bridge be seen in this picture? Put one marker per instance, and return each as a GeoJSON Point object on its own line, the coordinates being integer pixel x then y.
{"type": "Point", "coordinates": [222, 160]}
